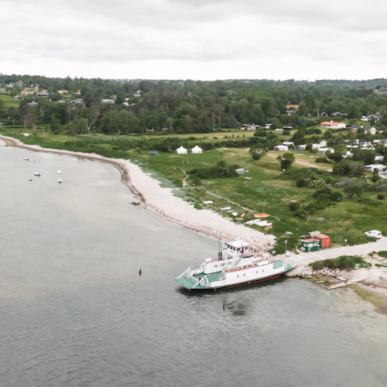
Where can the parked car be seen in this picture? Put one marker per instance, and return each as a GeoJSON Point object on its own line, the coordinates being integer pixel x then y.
{"type": "Point", "coordinates": [374, 234]}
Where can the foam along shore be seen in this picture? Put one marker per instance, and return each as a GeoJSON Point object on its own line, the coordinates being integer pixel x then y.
{"type": "Point", "coordinates": [162, 202]}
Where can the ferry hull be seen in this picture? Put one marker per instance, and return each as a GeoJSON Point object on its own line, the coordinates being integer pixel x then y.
{"type": "Point", "coordinates": [250, 282]}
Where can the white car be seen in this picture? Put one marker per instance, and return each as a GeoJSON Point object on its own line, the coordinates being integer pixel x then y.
{"type": "Point", "coordinates": [374, 234]}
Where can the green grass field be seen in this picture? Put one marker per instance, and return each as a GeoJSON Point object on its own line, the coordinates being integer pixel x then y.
{"type": "Point", "coordinates": [8, 101]}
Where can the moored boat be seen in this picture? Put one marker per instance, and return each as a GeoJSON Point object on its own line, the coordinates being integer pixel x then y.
{"type": "Point", "coordinates": [237, 265]}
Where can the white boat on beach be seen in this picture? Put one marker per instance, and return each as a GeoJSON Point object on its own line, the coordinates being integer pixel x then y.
{"type": "Point", "coordinates": [237, 265]}
{"type": "Point", "coordinates": [60, 181]}
{"type": "Point", "coordinates": [36, 173]}
{"type": "Point", "coordinates": [26, 159]}
{"type": "Point", "coordinates": [58, 171]}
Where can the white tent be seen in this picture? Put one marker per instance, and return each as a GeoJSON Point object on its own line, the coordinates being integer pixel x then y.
{"type": "Point", "coordinates": [197, 149]}
{"type": "Point", "coordinates": [181, 151]}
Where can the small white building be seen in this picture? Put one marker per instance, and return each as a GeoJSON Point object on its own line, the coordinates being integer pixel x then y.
{"type": "Point", "coordinates": [288, 143]}
{"type": "Point", "coordinates": [267, 126]}
{"type": "Point", "coordinates": [301, 147]}
{"type": "Point", "coordinates": [322, 151]}
{"type": "Point", "coordinates": [281, 148]}
{"type": "Point", "coordinates": [181, 151]}
{"type": "Point", "coordinates": [197, 149]}
{"type": "Point", "coordinates": [372, 167]}
{"type": "Point", "coordinates": [323, 143]}
{"type": "Point", "coordinates": [379, 158]}
{"type": "Point", "coordinates": [383, 174]}
{"type": "Point", "coordinates": [112, 101]}
{"type": "Point", "coordinates": [333, 125]}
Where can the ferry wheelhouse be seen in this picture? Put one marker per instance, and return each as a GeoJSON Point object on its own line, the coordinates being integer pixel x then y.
{"type": "Point", "coordinates": [237, 265]}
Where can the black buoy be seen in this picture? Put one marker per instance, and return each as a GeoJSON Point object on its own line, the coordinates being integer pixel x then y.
{"type": "Point", "coordinates": [139, 272]}
{"type": "Point", "coordinates": [223, 306]}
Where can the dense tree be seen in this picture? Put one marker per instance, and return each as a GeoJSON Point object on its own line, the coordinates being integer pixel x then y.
{"type": "Point", "coordinates": [286, 160]}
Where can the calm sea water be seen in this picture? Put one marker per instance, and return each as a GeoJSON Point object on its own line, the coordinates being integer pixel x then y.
{"type": "Point", "coordinates": [75, 312]}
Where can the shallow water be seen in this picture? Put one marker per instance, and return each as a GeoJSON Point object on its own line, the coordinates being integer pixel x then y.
{"type": "Point", "coordinates": [75, 312]}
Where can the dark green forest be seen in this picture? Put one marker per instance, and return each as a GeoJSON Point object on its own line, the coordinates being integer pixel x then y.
{"type": "Point", "coordinates": [186, 106]}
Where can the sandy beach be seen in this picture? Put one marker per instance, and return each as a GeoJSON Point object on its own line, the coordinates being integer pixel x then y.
{"type": "Point", "coordinates": [162, 202]}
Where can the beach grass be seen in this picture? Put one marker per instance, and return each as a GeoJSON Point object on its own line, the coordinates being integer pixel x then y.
{"type": "Point", "coordinates": [345, 262]}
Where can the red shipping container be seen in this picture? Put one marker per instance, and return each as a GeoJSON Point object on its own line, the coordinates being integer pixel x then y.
{"type": "Point", "coordinates": [325, 240]}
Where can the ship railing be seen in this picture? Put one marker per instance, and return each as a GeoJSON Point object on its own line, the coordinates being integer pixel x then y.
{"type": "Point", "coordinates": [189, 273]}
{"type": "Point", "coordinates": [203, 282]}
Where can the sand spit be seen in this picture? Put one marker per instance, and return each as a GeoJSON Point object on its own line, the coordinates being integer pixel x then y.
{"type": "Point", "coordinates": [161, 201]}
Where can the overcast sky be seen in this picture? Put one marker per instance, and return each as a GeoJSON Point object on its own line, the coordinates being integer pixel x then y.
{"type": "Point", "coordinates": [195, 39]}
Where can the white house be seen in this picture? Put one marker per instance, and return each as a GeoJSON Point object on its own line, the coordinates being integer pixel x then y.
{"type": "Point", "coordinates": [112, 101]}
{"type": "Point", "coordinates": [62, 91]}
{"type": "Point", "coordinates": [364, 118]}
{"type": "Point", "coordinates": [197, 149]}
{"type": "Point", "coordinates": [267, 126]}
{"type": "Point", "coordinates": [181, 151]}
{"type": "Point", "coordinates": [379, 158]}
{"type": "Point", "coordinates": [370, 129]}
{"type": "Point", "coordinates": [137, 93]}
{"type": "Point", "coordinates": [383, 174]}
{"type": "Point", "coordinates": [301, 147]}
{"type": "Point", "coordinates": [288, 143]}
{"type": "Point", "coordinates": [322, 151]}
{"type": "Point", "coordinates": [376, 117]}
{"type": "Point", "coordinates": [281, 148]}
{"type": "Point", "coordinates": [323, 143]}
{"type": "Point", "coordinates": [372, 167]}
{"type": "Point", "coordinates": [333, 125]}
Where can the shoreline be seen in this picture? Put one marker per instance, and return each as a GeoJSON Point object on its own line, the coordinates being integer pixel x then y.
{"type": "Point", "coordinates": [162, 202]}
{"type": "Point", "coordinates": [367, 284]}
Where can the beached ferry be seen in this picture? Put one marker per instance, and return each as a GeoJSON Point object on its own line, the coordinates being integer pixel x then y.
{"type": "Point", "coordinates": [237, 265]}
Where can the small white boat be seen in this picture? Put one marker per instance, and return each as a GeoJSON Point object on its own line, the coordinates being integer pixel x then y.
{"type": "Point", "coordinates": [36, 173]}
{"type": "Point", "coordinates": [60, 181]}
{"type": "Point", "coordinates": [26, 159]}
{"type": "Point", "coordinates": [58, 171]}
{"type": "Point", "coordinates": [234, 213]}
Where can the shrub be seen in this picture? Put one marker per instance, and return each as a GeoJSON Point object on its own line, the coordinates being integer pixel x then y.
{"type": "Point", "coordinates": [337, 196]}
{"type": "Point", "coordinates": [322, 160]}
{"type": "Point", "coordinates": [381, 196]}
{"type": "Point", "coordinates": [349, 262]}
{"type": "Point", "coordinates": [336, 157]}
{"type": "Point", "coordinates": [344, 182]}
{"type": "Point", "coordinates": [197, 182]}
{"type": "Point", "coordinates": [354, 189]}
{"type": "Point", "coordinates": [382, 254]}
{"type": "Point", "coordinates": [301, 183]}
{"type": "Point", "coordinates": [294, 206]}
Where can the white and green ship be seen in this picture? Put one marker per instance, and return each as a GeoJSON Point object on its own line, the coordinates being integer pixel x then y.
{"type": "Point", "coordinates": [237, 265]}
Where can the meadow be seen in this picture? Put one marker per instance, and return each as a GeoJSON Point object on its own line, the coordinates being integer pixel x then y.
{"type": "Point", "coordinates": [8, 101]}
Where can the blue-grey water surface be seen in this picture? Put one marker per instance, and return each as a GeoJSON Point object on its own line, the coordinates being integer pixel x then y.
{"type": "Point", "coordinates": [75, 312]}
